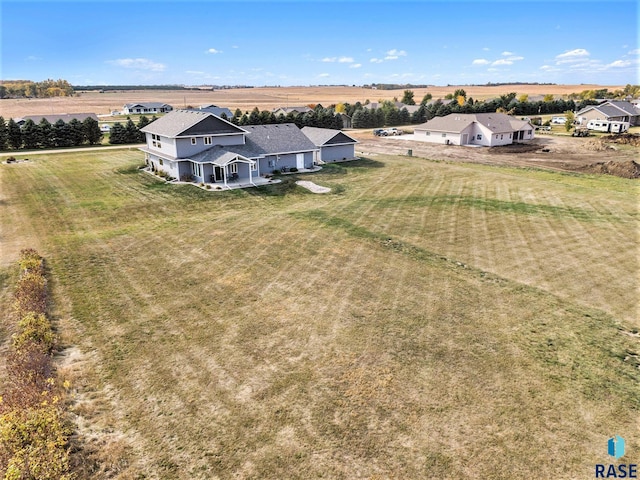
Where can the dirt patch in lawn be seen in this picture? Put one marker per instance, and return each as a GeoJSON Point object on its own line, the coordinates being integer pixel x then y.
{"type": "Point", "coordinates": [624, 169]}
{"type": "Point", "coordinates": [560, 153]}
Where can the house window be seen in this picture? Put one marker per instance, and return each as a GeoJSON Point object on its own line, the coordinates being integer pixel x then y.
{"type": "Point", "coordinates": [444, 135]}
{"type": "Point", "coordinates": [160, 161]}
{"type": "Point", "coordinates": [196, 168]}
{"type": "Point", "coordinates": [501, 137]}
{"type": "Point", "coordinates": [529, 132]}
{"type": "Point", "coordinates": [233, 168]}
{"type": "Point", "coordinates": [194, 140]}
{"type": "Point", "coordinates": [428, 134]}
{"type": "Point", "coordinates": [207, 140]}
{"type": "Point", "coordinates": [479, 137]}
{"type": "Point", "coordinates": [254, 167]}
{"type": "Point", "coordinates": [155, 140]}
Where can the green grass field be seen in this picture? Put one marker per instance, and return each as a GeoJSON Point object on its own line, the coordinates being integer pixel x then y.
{"type": "Point", "coordinates": [424, 320]}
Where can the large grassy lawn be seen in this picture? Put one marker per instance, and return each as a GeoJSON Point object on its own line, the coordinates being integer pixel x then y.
{"type": "Point", "coordinates": [424, 320]}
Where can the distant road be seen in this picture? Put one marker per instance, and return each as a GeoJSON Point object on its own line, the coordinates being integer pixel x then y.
{"type": "Point", "coordinates": [24, 153]}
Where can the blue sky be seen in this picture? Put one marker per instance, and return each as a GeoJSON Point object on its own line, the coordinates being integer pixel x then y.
{"type": "Point", "coordinates": [320, 43]}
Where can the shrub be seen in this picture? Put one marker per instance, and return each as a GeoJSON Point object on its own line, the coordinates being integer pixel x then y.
{"type": "Point", "coordinates": [31, 294]}
{"type": "Point", "coordinates": [277, 172]}
{"type": "Point", "coordinates": [30, 261]}
{"type": "Point", "coordinates": [293, 169]}
{"type": "Point", "coordinates": [34, 328]}
{"type": "Point", "coordinates": [29, 374]}
{"type": "Point", "coordinates": [34, 442]}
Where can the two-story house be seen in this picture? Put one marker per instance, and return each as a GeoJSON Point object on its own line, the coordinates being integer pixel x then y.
{"type": "Point", "coordinates": [201, 147]}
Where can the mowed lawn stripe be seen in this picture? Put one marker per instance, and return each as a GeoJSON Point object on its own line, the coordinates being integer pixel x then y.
{"type": "Point", "coordinates": [336, 339]}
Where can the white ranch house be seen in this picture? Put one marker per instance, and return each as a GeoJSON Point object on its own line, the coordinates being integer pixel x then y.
{"type": "Point", "coordinates": [333, 145]}
{"type": "Point", "coordinates": [199, 146]}
{"type": "Point", "coordinates": [148, 107]}
{"type": "Point", "coordinates": [482, 129]}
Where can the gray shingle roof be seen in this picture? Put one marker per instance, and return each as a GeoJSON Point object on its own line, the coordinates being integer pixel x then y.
{"type": "Point", "coordinates": [147, 105]}
{"type": "Point", "coordinates": [325, 136]}
{"type": "Point", "coordinates": [626, 106]}
{"type": "Point", "coordinates": [456, 122]}
{"type": "Point", "coordinates": [190, 122]}
{"type": "Point", "coordinates": [293, 109]}
{"type": "Point", "coordinates": [218, 111]}
{"type": "Point", "coordinates": [261, 140]}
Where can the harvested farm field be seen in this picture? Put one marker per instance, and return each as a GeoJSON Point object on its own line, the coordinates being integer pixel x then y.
{"type": "Point", "coordinates": [265, 98]}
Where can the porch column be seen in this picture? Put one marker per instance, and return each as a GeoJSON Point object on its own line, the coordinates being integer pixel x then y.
{"type": "Point", "coordinates": [250, 175]}
{"type": "Point", "coordinates": [224, 175]}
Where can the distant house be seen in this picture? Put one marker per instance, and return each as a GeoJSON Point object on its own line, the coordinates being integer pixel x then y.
{"type": "Point", "coordinates": [486, 129]}
{"type": "Point", "coordinates": [398, 105]}
{"type": "Point", "coordinates": [147, 107]}
{"type": "Point", "coordinates": [217, 111]}
{"type": "Point", "coordinates": [615, 116]}
{"type": "Point", "coordinates": [286, 110]}
{"type": "Point", "coordinates": [205, 148]}
{"type": "Point", "coordinates": [65, 117]}
{"type": "Point", "coordinates": [333, 145]}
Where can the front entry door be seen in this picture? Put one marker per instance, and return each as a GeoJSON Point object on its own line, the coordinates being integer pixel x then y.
{"type": "Point", "coordinates": [300, 160]}
{"type": "Point", "coordinates": [219, 173]}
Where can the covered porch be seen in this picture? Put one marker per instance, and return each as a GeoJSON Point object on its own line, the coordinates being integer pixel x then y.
{"type": "Point", "coordinates": [230, 170]}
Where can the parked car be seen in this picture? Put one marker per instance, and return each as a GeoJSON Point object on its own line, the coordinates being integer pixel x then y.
{"type": "Point", "coordinates": [378, 132]}
{"type": "Point", "coordinates": [559, 120]}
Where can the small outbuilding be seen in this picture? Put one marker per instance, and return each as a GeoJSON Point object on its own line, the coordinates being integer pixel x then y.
{"type": "Point", "coordinates": [333, 145]}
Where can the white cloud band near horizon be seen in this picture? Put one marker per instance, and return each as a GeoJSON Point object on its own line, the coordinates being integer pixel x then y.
{"type": "Point", "coordinates": [138, 64]}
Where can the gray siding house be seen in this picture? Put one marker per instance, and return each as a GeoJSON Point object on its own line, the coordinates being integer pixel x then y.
{"type": "Point", "coordinates": [198, 146]}
{"type": "Point", "coordinates": [333, 145]}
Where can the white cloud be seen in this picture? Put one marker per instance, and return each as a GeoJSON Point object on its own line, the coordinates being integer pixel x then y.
{"type": "Point", "coordinates": [138, 64]}
{"type": "Point", "coordinates": [324, 75]}
{"type": "Point", "coordinates": [329, 59]}
{"type": "Point", "coordinates": [194, 72]}
{"type": "Point", "coordinates": [515, 58]}
{"type": "Point", "coordinates": [507, 54]}
{"type": "Point", "coordinates": [235, 46]}
{"type": "Point", "coordinates": [345, 60]}
{"type": "Point", "coordinates": [376, 60]}
{"type": "Point", "coordinates": [486, 49]}
{"type": "Point", "coordinates": [355, 65]}
{"type": "Point", "coordinates": [33, 58]}
{"type": "Point", "coordinates": [619, 63]}
{"type": "Point", "coordinates": [502, 61]}
{"type": "Point", "coordinates": [579, 54]}
{"type": "Point", "coordinates": [480, 61]}
{"type": "Point", "coordinates": [391, 57]}
{"type": "Point", "coordinates": [213, 51]}
{"type": "Point", "coordinates": [635, 52]}
{"type": "Point", "coordinates": [396, 53]}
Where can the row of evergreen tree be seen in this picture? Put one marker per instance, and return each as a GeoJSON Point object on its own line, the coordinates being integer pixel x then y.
{"type": "Point", "coordinates": [46, 135]}
{"type": "Point", "coordinates": [67, 134]}
{"type": "Point", "coordinates": [317, 117]}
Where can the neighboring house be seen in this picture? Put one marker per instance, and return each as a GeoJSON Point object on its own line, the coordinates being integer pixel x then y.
{"type": "Point", "coordinates": [205, 148]}
{"type": "Point", "coordinates": [65, 117]}
{"type": "Point", "coordinates": [333, 145]}
{"type": "Point", "coordinates": [217, 111]}
{"type": "Point", "coordinates": [486, 129]}
{"type": "Point", "coordinates": [286, 110]}
{"type": "Point", "coordinates": [147, 107]}
{"type": "Point", "coordinates": [619, 116]}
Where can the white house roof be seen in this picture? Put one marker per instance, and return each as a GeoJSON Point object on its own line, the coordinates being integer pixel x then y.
{"type": "Point", "coordinates": [327, 136]}
{"type": "Point", "coordinates": [191, 123]}
{"type": "Point", "coordinates": [456, 122]}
